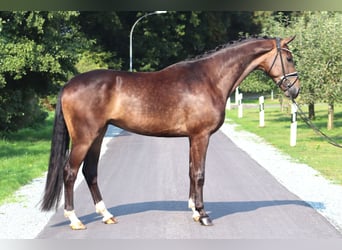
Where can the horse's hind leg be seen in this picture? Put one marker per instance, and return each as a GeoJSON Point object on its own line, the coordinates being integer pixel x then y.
{"type": "Point", "coordinates": [90, 167]}
{"type": "Point", "coordinates": [77, 154]}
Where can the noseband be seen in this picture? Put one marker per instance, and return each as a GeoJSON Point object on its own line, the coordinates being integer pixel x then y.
{"type": "Point", "coordinates": [284, 81]}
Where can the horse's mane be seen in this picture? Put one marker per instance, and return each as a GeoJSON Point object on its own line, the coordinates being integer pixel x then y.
{"type": "Point", "coordinates": [228, 45]}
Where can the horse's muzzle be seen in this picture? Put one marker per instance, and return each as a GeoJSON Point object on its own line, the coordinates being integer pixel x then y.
{"type": "Point", "coordinates": [292, 92]}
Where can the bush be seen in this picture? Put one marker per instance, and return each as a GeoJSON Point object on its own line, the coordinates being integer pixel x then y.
{"type": "Point", "coordinates": [19, 108]}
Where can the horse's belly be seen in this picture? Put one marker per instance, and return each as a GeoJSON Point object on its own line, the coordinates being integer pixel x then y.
{"type": "Point", "coordinates": [154, 126]}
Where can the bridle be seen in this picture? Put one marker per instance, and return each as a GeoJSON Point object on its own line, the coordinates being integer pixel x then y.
{"type": "Point", "coordinates": [284, 81]}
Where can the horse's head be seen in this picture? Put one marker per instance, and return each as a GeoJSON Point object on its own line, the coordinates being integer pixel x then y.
{"type": "Point", "coordinates": [280, 67]}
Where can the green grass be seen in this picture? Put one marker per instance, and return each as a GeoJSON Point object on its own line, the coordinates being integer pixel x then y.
{"type": "Point", "coordinates": [23, 156]}
{"type": "Point", "coordinates": [310, 149]}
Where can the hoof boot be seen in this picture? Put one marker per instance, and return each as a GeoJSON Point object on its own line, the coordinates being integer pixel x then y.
{"type": "Point", "coordinates": [111, 220]}
{"type": "Point", "coordinates": [206, 221]}
{"type": "Point", "coordinates": [78, 226]}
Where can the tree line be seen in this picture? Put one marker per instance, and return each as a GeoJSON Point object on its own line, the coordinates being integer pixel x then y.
{"type": "Point", "coordinates": [41, 50]}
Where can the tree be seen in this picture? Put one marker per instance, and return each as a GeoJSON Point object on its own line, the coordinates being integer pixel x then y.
{"type": "Point", "coordinates": [320, 59]}
{"type": "Point", "coordinates": [38, 51]}
{"type": "Point", "coordinates": [160, 40]}
{"type": "Point", "coordinates": [257, 82]}
{"type": "Point", "coordinates": [329, 58]}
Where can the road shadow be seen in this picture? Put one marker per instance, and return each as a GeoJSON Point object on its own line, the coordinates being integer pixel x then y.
{"type": "Point", "coordinates": [216, 210]}
{"type": "Point", "coordinates": [113, 131]}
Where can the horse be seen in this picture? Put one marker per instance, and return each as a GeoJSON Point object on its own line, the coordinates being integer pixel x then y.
{"type": "Point", "coordinates": [186, 99]}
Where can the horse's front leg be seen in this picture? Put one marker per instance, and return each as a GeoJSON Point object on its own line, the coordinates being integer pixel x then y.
{"type": "Point", "coordinates": [198, 151]}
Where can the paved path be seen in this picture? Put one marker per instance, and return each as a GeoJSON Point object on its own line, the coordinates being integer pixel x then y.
{"type": "Point", "coordinates": [144, 181]}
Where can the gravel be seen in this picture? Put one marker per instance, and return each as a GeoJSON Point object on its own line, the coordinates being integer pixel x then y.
{"type": "Point", "coordinates": [24, 220]}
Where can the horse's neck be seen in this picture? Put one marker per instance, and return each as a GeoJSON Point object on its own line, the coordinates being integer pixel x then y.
{"type": "Point", "coordinates": [234, 64]}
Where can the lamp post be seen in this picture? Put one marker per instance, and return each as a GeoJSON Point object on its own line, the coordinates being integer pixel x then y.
{"type": "Point", "coordinates": [131, 34]}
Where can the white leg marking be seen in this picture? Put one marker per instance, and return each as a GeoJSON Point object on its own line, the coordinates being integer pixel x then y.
{"type": "Point", "coordinates": [101, 209]}
{"type": "Point", "coordinates": [75, 223]}
{"type": "Point", "coordinates": [196, 216]}
{"type": "Point", "coordinates": [191, 204]}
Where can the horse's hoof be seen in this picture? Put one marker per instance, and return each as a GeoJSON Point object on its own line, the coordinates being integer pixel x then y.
{"type": "Point", "coordinates": [196, 216]}
{"type": "Point", "coordinates": [78, 226]}
{"type": "Point", "coordinates": [206, 221]}
{"type": "Point", "coordinates": [111, 220]}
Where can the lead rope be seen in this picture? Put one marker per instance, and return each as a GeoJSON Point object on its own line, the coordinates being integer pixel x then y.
{"type": "Point", "coordinates": [317, 130]}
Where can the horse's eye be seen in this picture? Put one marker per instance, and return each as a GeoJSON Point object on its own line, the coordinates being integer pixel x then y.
{"type": "Point", "coordinates": [289, 59]}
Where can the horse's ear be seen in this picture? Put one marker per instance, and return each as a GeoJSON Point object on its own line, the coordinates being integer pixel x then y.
{"type": "Point", "coordinates": [289, 39]}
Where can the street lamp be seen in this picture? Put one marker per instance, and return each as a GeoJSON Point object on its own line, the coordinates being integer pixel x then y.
{"type": "Point", "coordinates": [131, 33]}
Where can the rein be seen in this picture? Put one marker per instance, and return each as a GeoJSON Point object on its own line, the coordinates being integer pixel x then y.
{"type": "Point", "coordinates": [314, 128]}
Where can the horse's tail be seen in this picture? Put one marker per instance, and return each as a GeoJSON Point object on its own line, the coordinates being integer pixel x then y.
{"type": "Point", "coordinates": [58, 155]}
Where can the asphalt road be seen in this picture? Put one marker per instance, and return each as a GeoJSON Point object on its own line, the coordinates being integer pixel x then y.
{"type": "Point", "coordinates": [144, 182]}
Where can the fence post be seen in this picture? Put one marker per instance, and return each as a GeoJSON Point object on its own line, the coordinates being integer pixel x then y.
{"type": "Point", "coordinates": [228, 104]}
{"type": "Point", "coordinates": [293, 132]}
{"type": "Point", "coordinates": [237, 95]}
{"type": "Point", "coordinates": [261, 112]}
{"type": "Point", "coordinates": [240, 112]}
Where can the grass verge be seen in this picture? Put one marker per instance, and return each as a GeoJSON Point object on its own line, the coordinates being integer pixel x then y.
{"type": "Point", "coordinates": [310, 148]}
{"type": "Point", "coordinates": [23, 157]}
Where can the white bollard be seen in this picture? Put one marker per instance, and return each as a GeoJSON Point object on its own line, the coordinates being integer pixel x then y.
{"type": "Point", "coordinates": [240, 112]}
{"type": "Point", "coordinates": [293, 132]}
{"type": "Point", "coordinates": [228, 104]}
{"type": "Point", "coordinates": [237, 95]}
{"type": "Point", "coordinates": [261, 112]}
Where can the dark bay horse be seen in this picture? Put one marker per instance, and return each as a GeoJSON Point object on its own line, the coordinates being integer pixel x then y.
{"type": "Point", "coordinates": [186, 99]}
